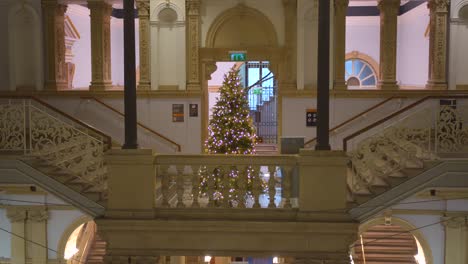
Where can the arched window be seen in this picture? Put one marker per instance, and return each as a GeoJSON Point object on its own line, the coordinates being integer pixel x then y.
{"type": "Point", "coordinates": [359, 74]}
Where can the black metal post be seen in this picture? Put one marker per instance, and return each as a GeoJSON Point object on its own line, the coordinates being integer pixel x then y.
{"type": "Point", "coordinates": [323, 77]}
{"type": "Point", "coordinates": [131, 141]}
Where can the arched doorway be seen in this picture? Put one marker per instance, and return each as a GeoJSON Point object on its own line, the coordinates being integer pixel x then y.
{"type": "Point", "coordinates": [390, 240]}
{"type": "Point", "coordinates": [244, 29]}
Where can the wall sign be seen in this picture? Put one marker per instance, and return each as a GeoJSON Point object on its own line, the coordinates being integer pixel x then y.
{"type": "Point", "coordinates": [311, 117]}
{"type": "Point", "coordinates": [238, 55]}
{"type": "Point", "coordinates": [193, 110]}
{"type": "Point", "coordinates": [177, 113]}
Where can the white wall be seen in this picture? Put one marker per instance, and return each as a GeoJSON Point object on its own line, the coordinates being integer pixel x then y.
{"type": "Point", "coordinates": [458, 67]}
{"type": "Point", "coordinates": [413, 47]}
{"type": "Point", "coordinates": [363, 35]}
{"type": "Point", "coordinates": [5, 245]}
{"type": "Point", "coordinates": [79, 15]}
{"type": "Point", "coordinates": [168, 60]}
{"type": "Point", "coordinates": [273, 9]}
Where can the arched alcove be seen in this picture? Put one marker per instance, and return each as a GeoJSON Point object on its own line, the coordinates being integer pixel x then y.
{"type": "Point", "coordinates": [24, 47]}
{"type": "Point", "coordinates": [241, 26]}
{"type": "Point", "coordinates": [406, 227]}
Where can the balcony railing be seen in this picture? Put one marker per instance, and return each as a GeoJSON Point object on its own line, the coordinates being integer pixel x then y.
{"type": "Point", "coordinates": [226, 181]}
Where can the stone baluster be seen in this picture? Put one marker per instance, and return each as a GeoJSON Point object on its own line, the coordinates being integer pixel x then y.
{"type": "Point", "coordinates": [272, 186]}
{"type": "Point", "coordinates": [180, 186]}
{"type": "Point", "coordinates": [243, 171]}
{"type": "Point", "coordinates": [145, 44]}
{"type": "Point", "coordinates": [340, 43]}
{"type": "Point", "coordinates": [210, 185]}
{"type": "Point", "coordinates": [226, 185]}
{"type": "Point", "coordinates": [100, 13]}
{"type": "Point", "coordinates": [195, 186]}
{"type": "Point", "coordinates": [165, 181]}
{"type": "Point", "coordinates": [286, 185]}
{"type": "Point", "coordinates": [256, 185]}
{"type": "Point", "coordinates": [438, 44]}
{"type": "Point", "coordinates": [54, 37]}
{"type": "Point", "coordinates": [17, 217]}
{"type": "Point", "coordinates": [388, 43]}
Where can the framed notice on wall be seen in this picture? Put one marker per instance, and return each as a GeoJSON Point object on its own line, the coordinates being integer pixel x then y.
{"type": "Point", "coordinates": [193, 111]}
{"type": "Point", "coordinates": [177, 113]}
{"type": "Point", "coordinates": [311, 117]}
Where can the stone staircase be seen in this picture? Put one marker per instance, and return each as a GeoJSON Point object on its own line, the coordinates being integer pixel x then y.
{"type": "Point", "coordinates": [97, 252]}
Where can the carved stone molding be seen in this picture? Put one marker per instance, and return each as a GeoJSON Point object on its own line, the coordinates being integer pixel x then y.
{"type": "Point", "coordinates": [38, 215]}
{"type": "Point", "coordinates": [193, 44]}
{"type": "Point", "coordinates": [100, 13]}
{"type": "Point", "coordinates": [16, 214]}
{"type": "Point", "coordinates": [54, 37]}
{"type": "Point", "coordinates": [388, 43]}
{"type": "Point", "coordinates": [131, 260]}
{"type": "Point", "coordinates": [145, 44]}
{"type": "Point", "coordinates": [455, 222]}
{"type": "Point", "coordinates": [340, 43]}
{"type": "Point", "coordinates": [438, 44]}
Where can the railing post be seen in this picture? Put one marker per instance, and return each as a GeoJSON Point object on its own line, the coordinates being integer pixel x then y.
{"type": "Point", "coordinates": [322, 180]}
{"type": "Point", "coordinates": [131, 196]}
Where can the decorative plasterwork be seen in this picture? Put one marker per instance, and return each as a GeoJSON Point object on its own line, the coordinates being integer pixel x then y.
{"type": "Point", "coordinates": [154, 18]}
{"type": "Point", "coordinates": [241, 10]}
{"type": "Point", "coordinates": [16, 214]}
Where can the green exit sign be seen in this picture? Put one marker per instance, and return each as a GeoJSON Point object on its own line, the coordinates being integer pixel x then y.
{"type": "Point", "coordinates": [238, 55]}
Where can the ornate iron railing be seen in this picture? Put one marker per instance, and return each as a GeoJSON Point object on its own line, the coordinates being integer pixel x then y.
{"type": "Point", "coordinates": [31, 127]}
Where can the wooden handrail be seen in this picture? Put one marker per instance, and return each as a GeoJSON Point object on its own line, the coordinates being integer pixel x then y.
{"type": "Point", "coordinates": [404, 109]}
{"type": "Point", "coordinates": [138, 123]}
{"type": "Point", "coordinates": [357, 116]}
{"type": "Point", "coordinates": [107, 138]}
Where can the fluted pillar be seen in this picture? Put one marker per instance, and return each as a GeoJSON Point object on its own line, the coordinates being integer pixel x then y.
{"type": "Point", "coordinates": [145, 44]}
{"type": "Point", "coordinates": [288, 80]}
{"type": "Point", "coordinates": [38, 220]}
{"type": "Point", "coordinates": [17, 217]}
{"type": "Point", "coordinates": [456, 240]}
{"type": "Point", "coordinates": [100, 45]}
{"type": "Point", "coordinates": [193, 44]}
{"type": "Point", "coordinates": [438, 44]}
{"type": "Point", "coordinates": [340, 43]}
{"type": "Point", "coordinates": [54, 37]}
{"type": "Point", "coordinates": [388, 43]}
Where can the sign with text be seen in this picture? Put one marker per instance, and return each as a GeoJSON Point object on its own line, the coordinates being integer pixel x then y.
{"type": "Point", "coordinates": [238, 55]}
{"type": "Point", "coordinates": [193, 111]}
{"type": "Point", "coordinates": [311, 117]}
{"type": "Point", "coordinates": [177, 113]}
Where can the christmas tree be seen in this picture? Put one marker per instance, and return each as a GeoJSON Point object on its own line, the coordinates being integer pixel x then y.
{"type": "Point", "coordinates": [230, 131]}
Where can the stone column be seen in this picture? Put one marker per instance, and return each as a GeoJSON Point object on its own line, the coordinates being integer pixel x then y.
{"type": "Point", "coordinates": [340, 43]}
{"type": "Point", "coordinates": [145, 44]}
{"type": "Point", "coordinates": [54, 37]}
{"type": "Point", "coordinates": [17, 218]}
{"type": "Point", "coordinates": [193, 40]}
{"type": "Point", "coordinates": [388, 43]}
{"type": "Point", "coordinates": [438, 44]}
{"type": "Point", "coordinates": [100, 45]}
{"type": "Point", "coordinates": [455, 240]}
{"type": "Point", "coordinates": [289, 77]}
{"type": "Point", "coordinates": [38, 220]}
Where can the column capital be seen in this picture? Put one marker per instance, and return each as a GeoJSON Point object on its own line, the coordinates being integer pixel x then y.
{"type": "Point", "coordinates": [16, 214]}
{"type": "Point", "coordinates": [340, 5]}
{"type": "Point", "coordinates": [388, 5]}
{"type": "Point", "coordinates": [438, 5]}
{"type": "Point", "coordinates": [455, 222]}
{"type": "Point", "coordinates": [143, 7]}
{"type": "Point", "coordinates": [193, 7]}
{"type": "Point", "coordinates": [38, 215]}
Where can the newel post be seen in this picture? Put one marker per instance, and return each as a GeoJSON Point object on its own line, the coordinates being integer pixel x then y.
{"type": "Point", "coordinates": [322, 180]}
{"type": "Point", "coordinates": [131, 183]}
